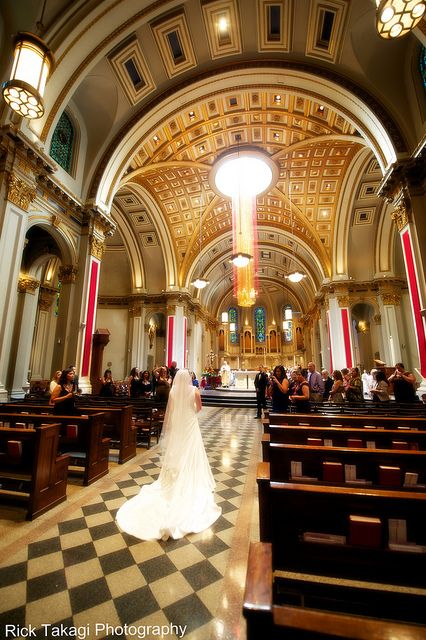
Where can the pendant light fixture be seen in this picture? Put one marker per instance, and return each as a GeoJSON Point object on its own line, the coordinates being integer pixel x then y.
{"type": "Point", "coordinates": [200, 283]}
{"type": "Point", "coordinates": [296, 275]}
{"type": "Point", "coordinates": [32, 65]}
{"type": "Point", "coordinates": [396, 18]}
{"type": "Point", "coordinates": [224, 315]}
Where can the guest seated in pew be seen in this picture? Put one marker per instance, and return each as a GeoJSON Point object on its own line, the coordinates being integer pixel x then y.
{"type": "Point", "coordinates": [300, 398]}
{"type": "Point", "coordinates": [107, 382]}
{"type": "Point", "coordinates": [63, 395]}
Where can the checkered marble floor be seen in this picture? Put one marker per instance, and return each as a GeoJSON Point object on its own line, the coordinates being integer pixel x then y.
{"type": "Point", "coordinates": [72, 572]}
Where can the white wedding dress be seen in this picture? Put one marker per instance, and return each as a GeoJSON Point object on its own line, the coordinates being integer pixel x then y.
{"type": "Point", "coordinates": [181, 501]}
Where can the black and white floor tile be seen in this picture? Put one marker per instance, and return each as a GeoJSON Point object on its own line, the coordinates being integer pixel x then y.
{"type": "Point", "coordinates": [73, 571]}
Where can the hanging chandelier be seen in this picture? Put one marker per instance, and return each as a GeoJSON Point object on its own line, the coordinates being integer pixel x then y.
{"type": "Point", "coordinates": [199, 282]}
{"type": "Point", "coordinates": [242, 175]}
{"type": "Point", "coordinates": [296, 275]}
{"type": "Point", "coordinates": [396, 18]}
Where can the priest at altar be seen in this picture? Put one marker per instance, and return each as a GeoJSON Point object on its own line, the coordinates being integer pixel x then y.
{"type": "Point", "coordinates": [225, 374]}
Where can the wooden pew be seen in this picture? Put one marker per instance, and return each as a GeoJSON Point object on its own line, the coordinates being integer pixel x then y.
{"type": "Point", "coordinates": [323, 420]}
{"type": "Point", "coordinates": [302, 614]}
{"type": "Point", "coordinates": [333, 465]}
{"type": "Point", "coordinates": [288, 511]}
{"type": "Point", "coordinates": [345, 437]}
{"type": "Point", "coordinates": [86, 445]}
{"type": "Point", "coordinates": [31, 471]}
{"type": "Point", "coordinates": [118, 425]}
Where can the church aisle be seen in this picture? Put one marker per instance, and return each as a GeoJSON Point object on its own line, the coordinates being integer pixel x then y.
{"type": "Point", "coordinates": [74, 567]}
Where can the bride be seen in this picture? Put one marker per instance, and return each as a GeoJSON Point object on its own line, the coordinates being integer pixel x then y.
{"type": "Point", "coordinates": [181, 501]}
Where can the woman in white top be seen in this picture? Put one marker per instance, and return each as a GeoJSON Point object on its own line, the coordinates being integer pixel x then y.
{"type": "Point", "coordinates": [55, 381]}
{"type": "Point", "coordinates": [181, 501]}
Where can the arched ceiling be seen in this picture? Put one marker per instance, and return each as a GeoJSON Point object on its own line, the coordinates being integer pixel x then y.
{"type": "Point", "coordinates": [325, 106]}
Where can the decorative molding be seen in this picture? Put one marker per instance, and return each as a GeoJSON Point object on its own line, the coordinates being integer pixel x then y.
{"type": "Point", "coordinates": [377, 319]}
{"type": "Point", "coordinates": [343, 301]}
{"type": "Point", "coordinates": [67, 273]}
{"type": "Point", "coordinates": [135, 308]}
{"type": "Point", "coordinates": [19, 192]}
{"type": "Point", "coordinates": [393, 299]}
{"type": "Point", "coordinates": [26, 284]}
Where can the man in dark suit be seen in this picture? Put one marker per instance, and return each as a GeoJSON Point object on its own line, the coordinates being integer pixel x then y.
{"type": "Point", "coordinates": [260, 384]}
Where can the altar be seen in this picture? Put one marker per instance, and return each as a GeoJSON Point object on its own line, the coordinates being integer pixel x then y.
{"type": "Point", "coordinates": [244, 379]}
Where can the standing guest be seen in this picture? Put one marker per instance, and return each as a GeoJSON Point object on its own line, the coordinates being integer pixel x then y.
{"type": "Point", "coordinates": [316, 384]}
{"type": "Point", "coordinates": [145, 384]}
{"type": "Point", "coordinates": [300, 397]}
{"type": "Point", "coordinates": [63, 395]}
{"type": "Point", "coordinates": [292, 383]}
{"type": "Point", "coordinates": [54, 381]}
{"type": "Point", "coordinates": [423, 398]}
{"type": "Point", "coordinates": [403, 384]}
{"type": "Point", "coordinates": [278, 390]}
{"type": "Point", "coordinates": [260, 384]}
{"type": "Point", "coordinates": [380, 392]}
{"type": "Point", "coordinates": [366, 388]}
{"type": "Point", "coordinates": [181, 501]}
{"type": "Point", "coordinates": [345, 376]}
{"type": "Point", "coordinates": [134, 383]}
{"type": "Point", "coordinates": [173, 370]}
{"type": "Point", "coordinates": [353, 390]}
{"type": "Point", "coordinates": [107, 388]}
{"type": "Point", "coordinates": [76, 380]}
{"type": "Point", "coordinates": [328, 383]}
{"type": "Point", "coordinates": [195, 382]}
{"type": "Point", "coordinates": [338, 388]}
{"type": "Point", "coordinates": [162, 387]}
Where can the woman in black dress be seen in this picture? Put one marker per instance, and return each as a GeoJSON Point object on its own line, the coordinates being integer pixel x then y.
{"type": "Point", "coordinates": [63, 395]}
{"type": "Point", "coordinates": [134, 383]}
{"type": "Point", "coordinates": [146, 384]}
{"type": "Point", "coordinates": [278, 390]}
{"type": "Point", "coordinates": [300, 397]}
{"type": "Point", "coordinates": [107, 389]}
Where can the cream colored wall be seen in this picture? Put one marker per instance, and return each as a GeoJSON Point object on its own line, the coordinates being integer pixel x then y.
{"type": "Point", "coordinates": [116, 321]}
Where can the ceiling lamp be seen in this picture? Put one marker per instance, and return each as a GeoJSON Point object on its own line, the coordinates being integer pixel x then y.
{"type": "Point", "coordinates": [32, 64]}
{"type": "Point", "coordinates": [242, 175]}
{"type": "Point", "coordinates": [295, 276]}
{"type": "Point", "coordinates": [396, 18]}
{"type": "Point", "coordinates": [200, 283]}
{"type": "Point", "coordinates": [241, 259]}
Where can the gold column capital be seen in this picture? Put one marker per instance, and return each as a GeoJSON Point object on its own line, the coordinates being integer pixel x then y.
{"type": "Point", "coordinates": [67, 273]}
{"type": "Point", "coordinates": [26, 284]}
{"type": "Point", "coordinates": [19, 192]}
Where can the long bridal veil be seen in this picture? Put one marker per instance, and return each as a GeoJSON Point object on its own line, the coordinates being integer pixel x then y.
{"type": "Point", "coordinates": [181, 501]}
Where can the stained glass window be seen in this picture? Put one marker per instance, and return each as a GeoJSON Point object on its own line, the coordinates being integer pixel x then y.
{"type": "Point", "coordinates": [287, 326]}
{"type": "Point", "coordinates": [62, 145]}
{"type": "Point", "coordinates": [423, 66]}
{"type": "Point", "coordinates": [259, 324]}
{"type": "Point", "coordinates": [233, 317]}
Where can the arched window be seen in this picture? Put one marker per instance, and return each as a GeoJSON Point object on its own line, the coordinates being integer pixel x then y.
{"type": "Point", "coordinates": [259, 324]}
{"type": "Point", "coordinates": [62, 146]}
{"type": "Point", "coordinates": [233, 317]}
{"type": "Point", "coordinates": [287, 323]}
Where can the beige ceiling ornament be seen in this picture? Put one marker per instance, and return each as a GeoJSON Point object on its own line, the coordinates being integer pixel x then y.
{"type": "Point", "coordinates": [19, 192]}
